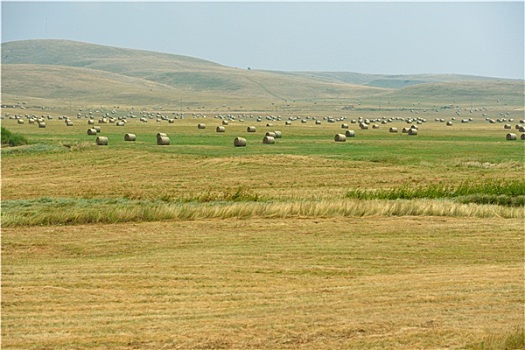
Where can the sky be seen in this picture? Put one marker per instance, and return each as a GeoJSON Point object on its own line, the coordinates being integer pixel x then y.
{"type": "Point", "coordinates": [474, 38]}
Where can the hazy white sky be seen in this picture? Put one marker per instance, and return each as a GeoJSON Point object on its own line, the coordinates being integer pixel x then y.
{"type": "Point", "coordinates": [479, 38]}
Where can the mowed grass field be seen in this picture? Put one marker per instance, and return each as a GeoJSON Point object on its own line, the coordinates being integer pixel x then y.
{"type": "Point", "coordinates": [200, 244]}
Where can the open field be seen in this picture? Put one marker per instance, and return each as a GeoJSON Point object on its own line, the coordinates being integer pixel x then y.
{"type": "Point", "coordinates": [312, 283]}
{"type": "Point", "coordinates": [385, 241]}
{"type": "Point", "coordinates": [199, 244]}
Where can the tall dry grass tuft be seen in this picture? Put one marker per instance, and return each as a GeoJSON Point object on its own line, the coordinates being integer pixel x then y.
{"type": "Point", "coordinates": [513, 340]}
{"type": "Point", "coordinates": [94, 211]}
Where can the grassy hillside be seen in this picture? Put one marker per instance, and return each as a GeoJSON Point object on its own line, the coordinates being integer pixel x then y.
{"type": "Point", "coordinates": [107, 58]}
{"type": "Point", "coordinates": [467, 94]}
{"type": "Point", "coordinates": [58, 72]}
{"type": "Point", "coordinates": [64, 65]}
{"type": "Point", "coordinates": [390, 81]}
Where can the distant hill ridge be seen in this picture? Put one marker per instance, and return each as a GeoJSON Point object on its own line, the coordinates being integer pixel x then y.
{"type": "Point", "coordinates": [76, 70]}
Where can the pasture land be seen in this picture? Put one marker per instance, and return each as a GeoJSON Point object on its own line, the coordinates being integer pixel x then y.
{"type": "Point", "coordinates": [200, 244]}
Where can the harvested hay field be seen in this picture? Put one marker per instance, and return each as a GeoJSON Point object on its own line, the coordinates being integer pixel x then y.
{"type": "Point", "coordinates": [383, 241]}
{"type": "Point", "coordinates": [309, 283]}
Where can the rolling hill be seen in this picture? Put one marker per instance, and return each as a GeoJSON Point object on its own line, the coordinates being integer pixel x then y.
{"type": "Point", "coordinates": [62, 71]}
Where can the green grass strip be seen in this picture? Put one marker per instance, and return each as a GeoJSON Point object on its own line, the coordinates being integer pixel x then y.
{"type": "Point", "coordinates": [507, 193]}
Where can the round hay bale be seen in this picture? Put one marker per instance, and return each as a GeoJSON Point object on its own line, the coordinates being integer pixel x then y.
{"type": "Point", "coordinates": [102, 140]}
{"type": "Point", "coordinates": [412, 131]}
{"type": "Point", "coordinates": [375, 126]}
{"type": "Point", "coordinates": [350, 133]}
{"type": "Point", "coordinates": [522, 136]}
{"type": "Point", "coordinates": [130, 137]}
{"type": "Point", "coordinates": [97, 128]}
{"type": "Point", "coordinates": [268, 140]}
{"type": "Point", "coordinates": [287, 122]}
{"type": "Point", "coordinates": [69, 123]}
{"type": "Point", "coordinates": [220, 129]}
{"type": "Point", "coordinates": [340, 138]}
{"type": "Point", "coordinates": [392, 129]}
{"type": "Point", "coordinates": [363, 126]}
{"type": "Point", "coordinates": [201, 126]}
{"type": "Point", "coordinates": [507, 126]}
{"type": "Point", "coordinates": [521, 128]}
{"type": "Point", "coordinates": [121, 123]}
{"type": "Point", "coordinates": [269, 125]}
{"type": "Point", "coordinates": [511, 136]}
{"type": "Point", "coordinates": [344, 126]}
{"type": "Point", "coordinates": [91, 131]}
{"type": "Point", "coordinates": [239, 142]}
{"type": "Point", "coordinates": [449, 123]}
{"type": "Point", "coordinates": [317, 122]}
{"type": "Point", "coordinates": [270, 133]}
{"type": "Point", "coordinates": [278, 134]}
{"type": "Point", "coordinates": [405, 130]}
{"type": "Point", "coordinates": [91, 122]}
{"type": "Point", "coordinates": [251, 129]}
{"type": "Point", "coordinates": [20, 121]}
{"type": "Point", "coordinates": [224, 122]}
{"type": "Point", "coordinates": [163, 140]}
{"type": "Point", "coordinates": [42, 125]}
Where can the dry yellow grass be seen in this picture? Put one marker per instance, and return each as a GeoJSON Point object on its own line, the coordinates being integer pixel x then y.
{"type": "Point", "coordinates": [303, 267]}
{"type": "Point", "coordinates": [397, 283]}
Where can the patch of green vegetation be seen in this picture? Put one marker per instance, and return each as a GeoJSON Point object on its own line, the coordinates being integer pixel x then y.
{"type": "Point", "coordinates": [33, 149]}
{"type": "Point", "coordinates": [13, 139]}
{"type": "Point", "coordinates": [197, 80]}
{"type": "Point", "coordinates": [508, 193]}
{"type": "Point", "coordinates": [239, 194]}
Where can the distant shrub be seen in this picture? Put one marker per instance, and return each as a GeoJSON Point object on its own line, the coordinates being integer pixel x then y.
{"type": "Point", "coordinates": [8, 138]}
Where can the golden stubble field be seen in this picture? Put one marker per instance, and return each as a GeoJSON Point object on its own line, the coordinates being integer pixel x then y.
{"type": "Point", "coordinates": [449, 277]}
{"type": "Point", "coordinates": [317, 283]}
